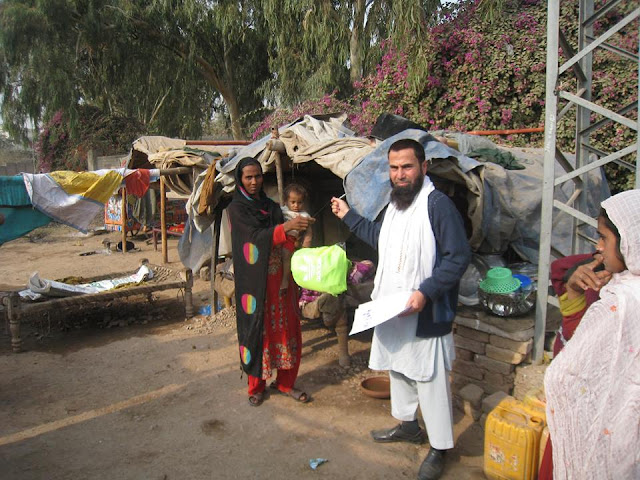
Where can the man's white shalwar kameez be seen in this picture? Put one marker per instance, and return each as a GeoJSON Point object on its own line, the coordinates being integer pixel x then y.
{"type": "Point", "coordinates": [418, 367]}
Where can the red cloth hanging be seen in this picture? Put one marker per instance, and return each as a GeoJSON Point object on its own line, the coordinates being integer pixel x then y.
{"type": "Point", "coordinates": [138, 182]}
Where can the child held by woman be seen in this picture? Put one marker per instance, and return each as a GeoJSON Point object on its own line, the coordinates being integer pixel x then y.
{"type": "Point", "coordinates": [295, 198]}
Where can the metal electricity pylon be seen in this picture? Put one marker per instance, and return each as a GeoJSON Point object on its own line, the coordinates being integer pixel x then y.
{"type": "Point", "coordinates": [590, 117]}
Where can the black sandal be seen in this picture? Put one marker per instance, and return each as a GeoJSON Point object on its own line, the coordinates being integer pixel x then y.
{"type": "Point", "coordinates": [256, 399]}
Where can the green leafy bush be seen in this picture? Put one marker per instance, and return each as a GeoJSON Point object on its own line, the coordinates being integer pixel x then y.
{"type": "Point", "coordinates": [475, 75]}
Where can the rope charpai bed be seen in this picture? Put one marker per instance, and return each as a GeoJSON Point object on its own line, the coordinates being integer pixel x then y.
{"type": "Point", "coordinates": [164, 278]}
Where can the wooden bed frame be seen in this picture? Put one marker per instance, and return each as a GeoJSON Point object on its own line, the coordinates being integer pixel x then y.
{"type": "Point", "coordinates": [164, 278]}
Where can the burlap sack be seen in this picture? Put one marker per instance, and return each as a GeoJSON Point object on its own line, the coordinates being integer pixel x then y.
{"type": "Point", "coordinates": [223, 280]}
{"type": "Point", "coordinates": [224, 286]}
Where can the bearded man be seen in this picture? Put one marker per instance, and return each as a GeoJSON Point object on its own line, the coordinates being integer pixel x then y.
{"type": "Point", "coordinates": [423, 249]}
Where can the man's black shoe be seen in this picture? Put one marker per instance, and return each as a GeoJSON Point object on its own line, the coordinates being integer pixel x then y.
{"type": "Point", "coordinates": [432, 466]}
{"type": "Point", "coordinates": [397, 434]}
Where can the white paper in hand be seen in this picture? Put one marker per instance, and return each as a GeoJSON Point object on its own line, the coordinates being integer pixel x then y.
{"type": "Point", "coordinates": [375, 312]}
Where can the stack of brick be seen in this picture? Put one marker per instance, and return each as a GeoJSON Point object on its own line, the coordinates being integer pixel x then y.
{"type": "Point", "coordinates": [488, 349]}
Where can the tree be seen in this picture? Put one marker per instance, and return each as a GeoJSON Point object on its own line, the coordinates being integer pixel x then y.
{"type": "Point", "coordinates": [27, 60]}
{"type": "Point", "coordinates": [166, 66]}
{"type": "Point", "coordinates": [321, 46]}
{"type": "Point", "coordinates": [224, 40]}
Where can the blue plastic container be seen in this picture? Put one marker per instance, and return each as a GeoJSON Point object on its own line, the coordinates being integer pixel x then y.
{"type": "Point", "coordinates": [525, 282]}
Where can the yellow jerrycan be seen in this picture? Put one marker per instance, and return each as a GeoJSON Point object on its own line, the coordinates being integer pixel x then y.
{"type": "Point", "coordinates": [535, 403]}
{"type": "Point", "coordinates": [512, 442]}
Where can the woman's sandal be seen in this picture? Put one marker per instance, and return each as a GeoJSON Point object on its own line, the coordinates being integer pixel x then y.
{"type": "Point", "coordinates": [297, 395]}
{"type": "Point", "coordinates": [256, 399]}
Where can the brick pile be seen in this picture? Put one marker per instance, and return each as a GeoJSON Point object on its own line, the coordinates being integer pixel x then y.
{"type": "Point", "coordinates": [488, 349]}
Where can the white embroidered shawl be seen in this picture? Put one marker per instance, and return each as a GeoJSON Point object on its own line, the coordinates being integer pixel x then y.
{"type": "Point", "coordinates": [593, 385]}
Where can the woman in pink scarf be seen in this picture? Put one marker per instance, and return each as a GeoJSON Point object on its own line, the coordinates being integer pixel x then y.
{"type": "Point", "coordinates": [593, 386]}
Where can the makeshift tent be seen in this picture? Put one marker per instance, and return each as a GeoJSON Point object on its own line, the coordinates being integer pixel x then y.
{"type": "Point", "coordinates": [501, 207]}
{"type": "Point", "coordinates": [193, 164]}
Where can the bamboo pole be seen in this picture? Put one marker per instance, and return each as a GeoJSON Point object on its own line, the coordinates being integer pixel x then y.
{"type": "Point", "coordinates": [123, 216]}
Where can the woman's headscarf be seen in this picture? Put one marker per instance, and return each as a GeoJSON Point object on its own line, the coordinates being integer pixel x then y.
{"type": "Point", "coordinates": [252, 224]}
{"type": "Point", "coordinates": [623, 210]}
{"type": "Point", "coordinates": [263, 209]}
{"type": "Point", "coordinates": [593, 385]}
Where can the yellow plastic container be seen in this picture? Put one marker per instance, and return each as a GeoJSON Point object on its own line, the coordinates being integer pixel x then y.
{"type": "Point", "coordinates": [512, 442]}
{"type": "Point", "coordinates": [536, 403]}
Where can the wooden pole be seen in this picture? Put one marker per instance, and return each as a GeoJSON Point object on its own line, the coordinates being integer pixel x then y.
{"type": "Point", "coordinates": [123, 215]}
{"type": "Point", "coordinates": [276, 146]}
{"type": "Point", "coordinates": [219, 142]}
{"type": "Point", "coordinates": [279, 178]}
{"type": "Point", "coordinates": [163, 220]}
{"type": "Point", "coordinates": [91, 160]}
{"type": "Point", "coordinates": [215, 232]}
{"type": "Point", "coordinates": [175, 170]}
{"type": "Point", "coordinates": [12, 303]}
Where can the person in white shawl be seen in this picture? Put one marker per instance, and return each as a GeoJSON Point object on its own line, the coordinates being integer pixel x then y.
{"type": "Point", "coordinates": [423, 252]}
{"type": "Point", "coordinates": [593, 385]}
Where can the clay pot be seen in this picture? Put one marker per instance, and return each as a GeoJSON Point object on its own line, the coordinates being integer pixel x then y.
{"type": "Point", "coordinates": [376, 387]}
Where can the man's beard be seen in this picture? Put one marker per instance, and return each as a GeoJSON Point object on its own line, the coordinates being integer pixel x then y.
{"type": "Point", "coordinates": [402, 197]}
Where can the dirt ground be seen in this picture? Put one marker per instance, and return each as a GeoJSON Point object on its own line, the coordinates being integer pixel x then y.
{"type": "Point", "coordinates": [133, 391]}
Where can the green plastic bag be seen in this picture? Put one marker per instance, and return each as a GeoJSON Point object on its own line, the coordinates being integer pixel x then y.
{"type": "Point", "coordinates": [323, 269]}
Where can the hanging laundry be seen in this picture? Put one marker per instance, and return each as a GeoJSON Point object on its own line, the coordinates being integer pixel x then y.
{"type": "Point", "coordinates": [137, 182]}
{"type": "Point", "coordinates": [72, 198]}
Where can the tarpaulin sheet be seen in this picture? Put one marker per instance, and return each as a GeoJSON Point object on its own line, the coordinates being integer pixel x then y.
{"type": "Point", "coordinates": [15, 205]}
{"type": "Point", "coordinates": [367, 185]}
